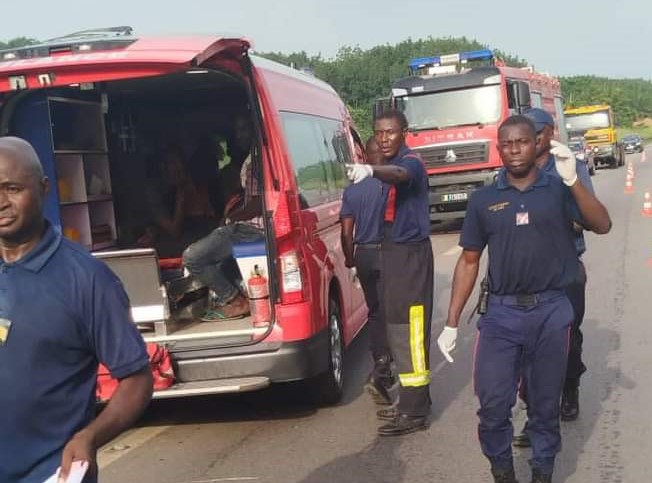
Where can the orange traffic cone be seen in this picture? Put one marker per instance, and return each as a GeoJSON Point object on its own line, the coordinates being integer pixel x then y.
{"type": "Point", "coordinates": [629, 186]}
{"type": "Point", "coordinates": [643, 157]}
{"type": "Point", "coordinates": [647, 205]}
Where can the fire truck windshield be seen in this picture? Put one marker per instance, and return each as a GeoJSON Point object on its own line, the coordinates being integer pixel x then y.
{"type": "Point", "coordinates": [584, 122]}
{"type": "Point", "coordinates": [439, 110]}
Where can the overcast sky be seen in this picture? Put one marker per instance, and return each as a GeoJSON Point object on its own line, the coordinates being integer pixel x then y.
{"type": "Point", "coordinates": [563, 37]}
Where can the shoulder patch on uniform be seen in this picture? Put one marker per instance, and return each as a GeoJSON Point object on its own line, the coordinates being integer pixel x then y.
{"type": "Point", "coordinates": [498, 206]}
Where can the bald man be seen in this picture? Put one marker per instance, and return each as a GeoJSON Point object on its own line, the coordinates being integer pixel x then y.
{"type": "Point", "coordinates": [61, 311]}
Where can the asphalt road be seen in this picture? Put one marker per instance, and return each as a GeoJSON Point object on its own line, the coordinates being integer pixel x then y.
{"type": "Point", "coordinates": [272, 437]}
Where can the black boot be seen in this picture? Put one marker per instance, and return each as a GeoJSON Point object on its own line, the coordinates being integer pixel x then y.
{"type": "Point", "coordinates": [539, 477]}
{"type": "Point", "coordinates": [522, 440]}
{"type": "Point", "coordinates": [382, 382]}
{"type": "Point", "coordinates": [404, 424]}
{"type": "Point", "coordinates": [503, 475]}
{"type": "Point", "coordinates": [570, 403]}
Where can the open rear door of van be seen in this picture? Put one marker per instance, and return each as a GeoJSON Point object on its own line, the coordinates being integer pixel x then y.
{"type": "Point", "coordinates": [85, 60]}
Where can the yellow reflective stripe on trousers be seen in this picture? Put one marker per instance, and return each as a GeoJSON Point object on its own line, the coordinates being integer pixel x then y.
{"type": "Point", "coordinates": [420, 375]}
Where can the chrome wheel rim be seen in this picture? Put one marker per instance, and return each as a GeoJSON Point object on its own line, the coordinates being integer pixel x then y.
{"type": "Point", "coordinates": [336, 349]}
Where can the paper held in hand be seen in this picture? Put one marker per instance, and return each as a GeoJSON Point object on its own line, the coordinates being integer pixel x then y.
{"type": "Point", "coordinates": [76, 475]}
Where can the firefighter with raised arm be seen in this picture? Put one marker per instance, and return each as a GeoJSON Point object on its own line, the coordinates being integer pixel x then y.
{"type": "Point", "coordinates": [407, 267]}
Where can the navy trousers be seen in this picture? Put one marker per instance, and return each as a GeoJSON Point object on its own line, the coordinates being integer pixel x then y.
{"type": "Point", "coordinates": [515, 340]}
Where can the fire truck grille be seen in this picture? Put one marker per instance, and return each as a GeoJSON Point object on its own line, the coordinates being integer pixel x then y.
{"type": "Point", "coordinates": [455, 154]}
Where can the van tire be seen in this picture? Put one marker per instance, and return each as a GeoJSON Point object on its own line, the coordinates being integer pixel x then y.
{"type": "Point", "coordinates": [327, 388]}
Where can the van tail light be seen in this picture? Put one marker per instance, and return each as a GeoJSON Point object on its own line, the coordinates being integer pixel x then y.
{"type": "Point", "coordinates": [291, 277]}
{"type": "Point", "coordinates": [292, 272]}
{"type": "Point", "coordinates": [282, 217]}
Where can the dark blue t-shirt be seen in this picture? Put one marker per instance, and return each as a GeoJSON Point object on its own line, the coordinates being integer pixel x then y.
{"type": "Point", "coordinates": [365, 203]}
{"type": "Point", "coordinates": [531, 245]}
{"type": "Point", "coordinates": [68, 312]}
{"type": "Point", "coordinates": [412, 218]}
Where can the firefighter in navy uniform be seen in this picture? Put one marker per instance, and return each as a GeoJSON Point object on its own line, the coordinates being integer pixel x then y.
{"type": "Point", "coordinates": [407, 267]}
{"type": "Point", "coordinates": [524, 218]}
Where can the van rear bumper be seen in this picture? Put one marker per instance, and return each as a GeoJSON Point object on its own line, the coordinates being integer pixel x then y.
{"type": "Point", "coordinates": [278, 361]}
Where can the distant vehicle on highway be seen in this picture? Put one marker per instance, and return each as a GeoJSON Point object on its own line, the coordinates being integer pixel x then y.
{"type": "Point", "coordinates": [583, 152]}
{"type": "Point", "coordinates": [633, 143]}
{"type": "Point", "coordinates": [597, 125]}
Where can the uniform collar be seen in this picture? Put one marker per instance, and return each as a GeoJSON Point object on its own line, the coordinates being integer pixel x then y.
{"type": "Point", "coordinates": [402, 151]}
{"type": "Point", "coordinates": [503, 184]}
{"type": "Point", "coordinates": [42, 252]}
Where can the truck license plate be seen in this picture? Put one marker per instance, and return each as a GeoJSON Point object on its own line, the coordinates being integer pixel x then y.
{"type": "Point", "coordinates": [455, 197]}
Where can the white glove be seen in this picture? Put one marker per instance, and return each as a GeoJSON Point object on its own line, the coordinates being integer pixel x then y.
{"type": "Point", "coordinates": [358, 172]}
{"type": "Point", "coordinates": [564, 162]}
{"type": "Point", "coordinates": [446, 342]}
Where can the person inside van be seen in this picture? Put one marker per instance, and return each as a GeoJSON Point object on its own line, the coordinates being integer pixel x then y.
{"type": "Point", "coordinates": [207, 258]}
{"type": "Point", "coordinates": [180, 205]}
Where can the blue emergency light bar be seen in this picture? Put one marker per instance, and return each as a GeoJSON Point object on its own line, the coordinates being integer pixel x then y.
{"type": "Point", "coordinates": [458, 58]}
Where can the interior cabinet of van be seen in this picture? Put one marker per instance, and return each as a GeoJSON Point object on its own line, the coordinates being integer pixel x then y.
{"type": "Point", "coordinates": [73, 151]}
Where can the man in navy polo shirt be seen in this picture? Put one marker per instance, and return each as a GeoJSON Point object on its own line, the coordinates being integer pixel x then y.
{"type": "Point", "coordinates": [524, 218]}
{"type": "Point", "coordinates": [408, 271]}
{"type": "Point", "coordinates": [363, 207]}
{"type": "Point", "coordinates": [61, 312]}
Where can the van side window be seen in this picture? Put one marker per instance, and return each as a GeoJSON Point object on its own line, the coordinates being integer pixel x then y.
{"type": "Point", "coordinates": [318, 148]}
{"type": "Point", "coordinates": [338, 149]}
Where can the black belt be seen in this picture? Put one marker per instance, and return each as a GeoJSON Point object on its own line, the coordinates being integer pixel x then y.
{"type": "Point", "coordinates": [368, 245]}
{"type": "Point", "coordinates": [526, 300]}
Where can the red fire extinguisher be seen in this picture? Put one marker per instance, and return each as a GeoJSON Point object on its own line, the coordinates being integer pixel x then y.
{"type": "Point", "coordinates": [258, 289]}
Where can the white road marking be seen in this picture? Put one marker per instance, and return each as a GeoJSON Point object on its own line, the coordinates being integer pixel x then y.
{"type": "Point", "coordinates": [130, 441]}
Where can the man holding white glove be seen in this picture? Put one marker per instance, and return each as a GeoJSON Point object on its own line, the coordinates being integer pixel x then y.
{"type": "Point", "coordinates": [524, 219]}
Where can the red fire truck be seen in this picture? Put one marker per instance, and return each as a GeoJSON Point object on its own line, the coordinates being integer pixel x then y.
{"type": "Point", "coordinates": [454, 104]}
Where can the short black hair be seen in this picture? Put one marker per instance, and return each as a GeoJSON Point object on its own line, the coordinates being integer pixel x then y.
{"type": "Point", "coordinates": [396, 115]}
{"type": "Point", "coordinates": [519, 120]}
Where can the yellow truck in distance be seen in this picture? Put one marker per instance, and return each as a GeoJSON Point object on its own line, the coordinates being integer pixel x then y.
{"type": "Point", "coordinates": [596, 125]}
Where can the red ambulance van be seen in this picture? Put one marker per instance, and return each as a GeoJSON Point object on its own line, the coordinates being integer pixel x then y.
{"type": "Point", "coordinates": [101, 107]}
